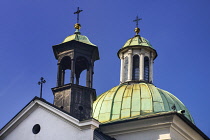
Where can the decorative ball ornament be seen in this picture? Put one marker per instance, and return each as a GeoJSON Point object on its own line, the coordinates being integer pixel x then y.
{"type": "Point", "coordinates": [137, 30]}
{"type": "Point", "coordinates": [77, 26]}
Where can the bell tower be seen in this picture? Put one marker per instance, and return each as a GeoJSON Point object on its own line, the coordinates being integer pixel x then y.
{"type": "Point", "coordinates": [137, 57]}
{"type": "Point", "coordinates": [76, 54]}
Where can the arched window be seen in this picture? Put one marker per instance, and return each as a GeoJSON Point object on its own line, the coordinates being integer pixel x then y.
{"type": "Point", "coordinates": [146, 69]}
{"type": "Point", "coordinates": [64, 71]}
{"type": "Point", "coordinates": [81, 64]}
{"type": "Point", "coordinates": [135, 72]}
{"type": "Point", "coordinates": [126, 69]}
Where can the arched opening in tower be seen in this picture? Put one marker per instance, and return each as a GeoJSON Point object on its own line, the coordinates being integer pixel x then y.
{"type": "Point", "coordinates": [146, 69]}
{"type": "Point", "coordinates": [65, 72]}
{"type": "Point", "coordinates": [135, 73]}
{"type": "Point", "coordinates": [81, 64]}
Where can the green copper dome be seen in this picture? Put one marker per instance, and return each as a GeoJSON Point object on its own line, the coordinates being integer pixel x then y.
{"type": "Point", "coordinates": [76, 36]}
{"type": "Point", "coordinates": [129, 101]}
{"type": "Point", "coordinates": [137, 41]}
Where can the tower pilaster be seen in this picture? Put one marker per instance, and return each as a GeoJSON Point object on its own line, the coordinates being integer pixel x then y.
{"type": "Point", "coordinates": [141, 67]}
{"type": "Point", "coordinates": [130, 65]}
{"type": "Point", "coordinates": [121, 69]}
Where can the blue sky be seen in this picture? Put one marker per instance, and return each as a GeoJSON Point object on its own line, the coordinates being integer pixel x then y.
{"type": "Point", "coordinates": [178, 30]}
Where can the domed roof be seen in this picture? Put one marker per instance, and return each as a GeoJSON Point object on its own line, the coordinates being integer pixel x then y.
{"type": "Point", "coordinates": [76, 36]}
{"type": "Point", "coordinates": [137, 40]}
{"type": "Point", "coordinates": [129, 101]}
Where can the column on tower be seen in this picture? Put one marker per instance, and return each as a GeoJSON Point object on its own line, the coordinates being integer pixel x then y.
{"type": "Point", "coordinates": [151, 68]}
{"type": "Point", "coordinates": [130, 65]}
{"type": "Point", "coordinates": [59, 75]}
{"type": "Point", "coordinates": [88, 75]}
{"type": "Point", "coordinates": [91, 74]}
{"type": "Point", "coordinates": [122, 69]}
{"type": "Point", "coordinates": [62, 77]}
{"type": "Point", "coordinates": [72, 70]}
{"type": "Point", "coordinates": [77, 78]}
{"type": "Point", "coordinates": [141, 67]}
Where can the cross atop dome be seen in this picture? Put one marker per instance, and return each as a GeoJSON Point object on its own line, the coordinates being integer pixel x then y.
{"type": "Point", "coordinates": [77, 25]}
{"type": "Point", "coordinates": [137, 30]}
{"type": "Point", "coordinates": [77, 12]}
{"type": "Point", "coordinates": [137, 21]}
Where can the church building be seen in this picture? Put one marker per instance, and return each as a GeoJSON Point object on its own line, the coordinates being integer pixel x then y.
{"type": "Point", "coordinates": [133, 110]}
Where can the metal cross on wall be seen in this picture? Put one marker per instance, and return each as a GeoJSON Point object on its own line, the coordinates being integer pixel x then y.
{"type": "Point", "coordinates": [137, 21]}
{"type": "Point", "coordinates": [42, 81]}
{"type": "Point", "coordinates": [77, 12]}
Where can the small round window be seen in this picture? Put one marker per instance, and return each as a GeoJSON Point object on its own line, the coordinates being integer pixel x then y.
{"type": "Point", "coordinates": [80, 108]}
{"type": "Point", "coordinates": [36, 129]}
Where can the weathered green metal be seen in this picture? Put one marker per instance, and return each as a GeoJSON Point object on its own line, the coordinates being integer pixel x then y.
{"type": "Point", "coordinates": [127, 101]}
{"type": "Point", "coordinates": [76, 36]}
{"type": "Point", "coordinates": [137, 41]}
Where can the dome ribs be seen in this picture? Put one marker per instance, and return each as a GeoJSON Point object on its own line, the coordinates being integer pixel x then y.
{"type": "Point", "coordinates": [146, 100]}
{"type": "Point", "coordinates": [116, 103]}
{"type": "Point", "coordinates": [128, 101]}
{"type": "Point", "coordinates": [136, 100]}
{"type": "Point", "coordinates": [125, 103]}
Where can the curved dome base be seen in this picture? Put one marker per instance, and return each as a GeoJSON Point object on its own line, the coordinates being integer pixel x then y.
{"type": "Point", "coordinates": [127, 101]}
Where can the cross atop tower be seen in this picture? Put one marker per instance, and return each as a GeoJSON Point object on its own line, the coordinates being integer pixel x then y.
{"type": "Point", "coordinates": [77, 12]}
{"type": "Point", "coordinates": [137, 21]}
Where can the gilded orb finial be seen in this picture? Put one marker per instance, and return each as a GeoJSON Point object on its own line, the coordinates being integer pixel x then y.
{"type": "Point", "coordinates": [137, 30]}
{"type": "Point", "coordinates": [77, 26]}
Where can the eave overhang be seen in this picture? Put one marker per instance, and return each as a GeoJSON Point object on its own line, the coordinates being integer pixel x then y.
{"type": "Point", "coordinates": [74, 44]}
{"type": "Point", "coordinates": [156, 116]}
{"type": "Point", "coordinates": [124, 49]}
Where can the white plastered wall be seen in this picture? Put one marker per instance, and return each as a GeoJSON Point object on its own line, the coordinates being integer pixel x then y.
{"type": "Point", "coordinates": [53, 127]}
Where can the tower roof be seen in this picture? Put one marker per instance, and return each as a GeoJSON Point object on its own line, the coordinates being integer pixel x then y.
{"type": "Point", "coordinates": [78, 37]}
{"type": "Point", "coordinates": [137, 40]}
{"type": "Point", "coordinates": [126, 101]}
